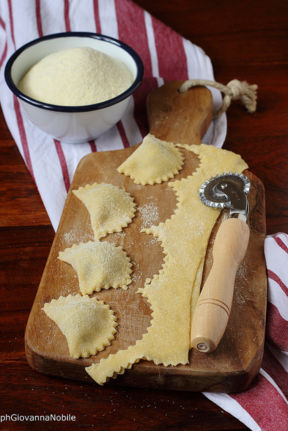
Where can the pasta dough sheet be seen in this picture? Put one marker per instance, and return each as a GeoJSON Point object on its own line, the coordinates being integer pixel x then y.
{"type": "Point", "coordinates": [173, 292]}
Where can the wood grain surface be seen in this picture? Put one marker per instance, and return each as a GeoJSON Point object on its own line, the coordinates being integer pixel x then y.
{"type": "Point", "coordinates": [183, 118]}
{"type": "Point", "coordinates": [245, 40]}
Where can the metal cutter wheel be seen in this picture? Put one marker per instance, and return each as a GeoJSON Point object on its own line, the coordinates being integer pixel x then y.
{"type": "Point", "coordinates": [227, 191]}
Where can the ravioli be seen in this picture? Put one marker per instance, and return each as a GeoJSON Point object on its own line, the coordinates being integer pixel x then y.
{"type": "Point", "coordinates": [99, 265]}
{"type": "Point", "coordinates": [154, 161]}
{"type": "Point", "coordinates": [89, 325]}
{"type": "Point", "coordinates": [110, 207]}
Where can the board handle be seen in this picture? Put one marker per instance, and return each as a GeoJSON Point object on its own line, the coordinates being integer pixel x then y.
{"type": "Point", "coordinates": [179, 117]}
{"type": "Point", "coordinates": [213, 307]}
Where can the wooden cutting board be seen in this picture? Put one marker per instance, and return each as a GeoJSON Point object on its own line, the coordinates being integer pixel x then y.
{"type": "Point", "coordinates": [183, 118]}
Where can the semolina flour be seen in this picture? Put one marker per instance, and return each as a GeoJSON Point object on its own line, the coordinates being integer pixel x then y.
{"type": "Point", "coordinates": [76, 77]}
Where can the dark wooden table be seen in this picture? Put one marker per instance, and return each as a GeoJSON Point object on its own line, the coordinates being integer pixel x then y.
{"type": "Point", "coordinates": [246, 40]}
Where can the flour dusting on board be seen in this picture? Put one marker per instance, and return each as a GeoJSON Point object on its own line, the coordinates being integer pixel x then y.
{"type": "Point", "coordinates": [73, 236]}
{"type": "Point", "coordinates": [119, 239]}
{"type": "Point", "coordinates": [149, 215]}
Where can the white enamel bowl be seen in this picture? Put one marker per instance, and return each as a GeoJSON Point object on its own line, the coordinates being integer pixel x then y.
{"type": "Point", "coordinates": [73, 124]}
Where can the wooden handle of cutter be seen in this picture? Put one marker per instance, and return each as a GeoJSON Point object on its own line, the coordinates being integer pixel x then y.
{"type": "Point", "coordinates": [213, 307]}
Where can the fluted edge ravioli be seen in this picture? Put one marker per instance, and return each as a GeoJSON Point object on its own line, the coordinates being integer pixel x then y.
{"type": "Point", "coordinates": [99, 265]}
{"type": "Point", "coordinates": [89, 325]}
{"type": "Point", "coordinates": [110, 207]}
{"type": "Point", "coordinates": [154, 161]}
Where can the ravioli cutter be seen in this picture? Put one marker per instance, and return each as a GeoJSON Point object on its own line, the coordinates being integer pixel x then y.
{"type": "Point", "coordinates": [213, 307]}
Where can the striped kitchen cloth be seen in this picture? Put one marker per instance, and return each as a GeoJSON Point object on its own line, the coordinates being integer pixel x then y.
{"type": "Point", "coordinates": [166, 56]}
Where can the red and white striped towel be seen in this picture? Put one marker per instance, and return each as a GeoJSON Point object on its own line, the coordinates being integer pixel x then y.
{"type": "Point", "coordinates": [166, 56]}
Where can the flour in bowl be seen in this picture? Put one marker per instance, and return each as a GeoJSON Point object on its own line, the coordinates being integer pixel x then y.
{"type": "Point", "coordinates": [76, 77]}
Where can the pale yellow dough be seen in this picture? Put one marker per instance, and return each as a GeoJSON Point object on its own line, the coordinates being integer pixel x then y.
{"type": "Point", "coordinates": [99, 265]}
{"type": "Point", "coordinates": [173, 292]}
{"type": "Point", "coordinates": [154, 161]}
{"type": "Point", "coordinates": [88, 324]}
{"type": "Point", "coordinates": [110, 207]}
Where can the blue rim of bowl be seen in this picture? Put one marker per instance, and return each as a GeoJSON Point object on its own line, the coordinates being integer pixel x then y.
{"type": "Point", "coordinates": [82, 108]}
